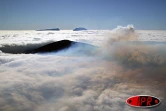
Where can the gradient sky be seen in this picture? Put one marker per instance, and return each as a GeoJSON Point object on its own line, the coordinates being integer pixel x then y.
{"type": "Point", "coordinates": [92, 14]}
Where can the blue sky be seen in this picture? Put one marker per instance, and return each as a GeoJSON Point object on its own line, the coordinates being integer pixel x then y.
{"type": "Point", "coordinates": [92, 14]}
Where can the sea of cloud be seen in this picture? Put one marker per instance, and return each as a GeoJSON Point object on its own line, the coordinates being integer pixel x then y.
{"type": "Point", "coordinates": [65, 81]}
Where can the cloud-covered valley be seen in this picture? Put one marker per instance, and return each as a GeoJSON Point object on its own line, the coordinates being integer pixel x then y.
{"type": "Point", "coordinates": [121, 67]}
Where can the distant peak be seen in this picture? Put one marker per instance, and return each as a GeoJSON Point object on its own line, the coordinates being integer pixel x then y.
{"type": "Point", "coordinates": [53, 29]}
{"type": "Point", "coordinates": [79, 28]}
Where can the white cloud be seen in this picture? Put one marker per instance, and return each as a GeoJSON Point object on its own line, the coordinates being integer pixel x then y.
{"type": "Point", "coordinates": [101, 82]}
